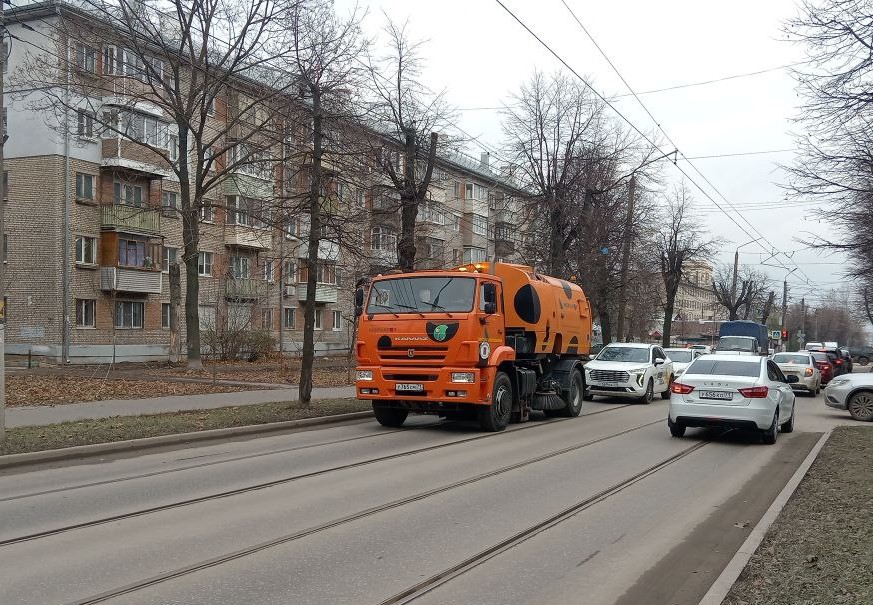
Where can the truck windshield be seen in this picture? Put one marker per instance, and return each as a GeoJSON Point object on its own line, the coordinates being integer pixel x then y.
{"type": "Point", "coordinates": [636, 354]}
{"type": "Point", "coordinates": [736, 343]}
{"type": "Point", "coordinates": [422, 295]}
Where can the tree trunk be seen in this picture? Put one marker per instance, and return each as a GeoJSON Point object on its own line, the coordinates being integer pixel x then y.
{"type": "Point", "coordinates": [556, 251]}
{"type": "Point", "coordinates": [191, 241]}
{"type": "Point", "coordinates": [605, 325]}
{"type": "Point", "coordinates": [305, 387]}
{"type": "Point", "coordinates": [408, 206]}
{"type": "Point", "coordinates": [667, 329]}
{"type": "Point", "coordinates": [175, 303]}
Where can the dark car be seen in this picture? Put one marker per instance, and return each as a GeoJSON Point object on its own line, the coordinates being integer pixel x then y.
{"type": "Point", "coordinates": [835, 356]}
{"type": "Point", "coordinates": [862, 355]}
{"type": "Point", "coordinates": [823, 361]}
{"type": "Point", "coordinates": [847, 357]}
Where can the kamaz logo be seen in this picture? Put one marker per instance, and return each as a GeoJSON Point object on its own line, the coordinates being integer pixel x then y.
{"type": "Point", "coordinates": [410, 338]}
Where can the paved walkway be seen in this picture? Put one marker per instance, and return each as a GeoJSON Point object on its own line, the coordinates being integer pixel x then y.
{"type": "Point", "coordinates": [40, 415]}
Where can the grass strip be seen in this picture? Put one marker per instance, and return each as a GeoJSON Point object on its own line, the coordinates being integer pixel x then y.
{"type": "Point", "coordinates": [121, 428]}
{"type": "Point", "coordinates": [820, 549]}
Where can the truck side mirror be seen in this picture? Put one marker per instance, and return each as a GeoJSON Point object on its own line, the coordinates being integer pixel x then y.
{"type": "Point", "coordinates": [489, 292]}
{"type": "Point", "coordinates": [359, 301]}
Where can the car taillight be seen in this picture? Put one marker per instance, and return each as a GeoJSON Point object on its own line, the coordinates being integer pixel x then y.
{"type": "Point", "coordinates": [839, 362]}
{"type": "Point", "coordinates": [754, 392]}
{"type": "Point", "coordinates": [808, 371]}
{"type": "Point", "coordinates": [681, 389]}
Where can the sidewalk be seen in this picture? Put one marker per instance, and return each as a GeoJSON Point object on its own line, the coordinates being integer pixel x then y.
{"type": "Point", "coordinates": [41, 415]}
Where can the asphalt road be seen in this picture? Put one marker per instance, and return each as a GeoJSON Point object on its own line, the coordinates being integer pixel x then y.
{"type": "Point", "coordinates": [605, 508]}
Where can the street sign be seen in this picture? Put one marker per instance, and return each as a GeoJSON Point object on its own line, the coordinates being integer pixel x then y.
{"type": "Point", "coordinates": [776, 334]}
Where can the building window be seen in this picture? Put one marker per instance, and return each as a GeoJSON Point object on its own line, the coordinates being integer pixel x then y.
{"type": "Point", "coordinates": [288, 317]}
{"type": "Point", "coordinates": [206, 315]}
{"type": "Point", "coordinates": [326, 273]}
{"type": "Point", "coordinates": [86, 250]}
{"type": "Point", "coordinates": [480, 224]}
{"type": "Point", "coordinates": [173, 144]}
{"type": "Point", "coordinates": [204, 263]}
{"type": "Point", "coordinates": [86, 58]}
{"type": "Point", "coordinates": [383, 238]}
{"type": "Point", "coordinates": [132, 253]}
{"type": "Point", "coordinates": [267, 319]}
{"type": "Point", "coordinates": [474, 255]}
{"type": "Point", "coordinates": [473, 191]}
{"type": "Point", "coordinates": [456, 222]}
{"type": "Point", "coordinates": [84, 186]}
{"type": "Point", "coordinates": [110, 60]}
{"type": "Point", "coordinates": [128, 315]}
{"type": "Point", "coordinates": [207, 213]}
{"type": "Point", "coordinates": [171, 257]}
{"type": "Point", "coordinates": [85, 312]}
{"type": "Point", "coordinates": [245, 211]}
{"type": "Point", "coordinates": [337, 321]}
{"type": "Point", "coordinates": [431, 212]}
{"type": "Point", "coordinates": [170, 199]}
{"type": "Point", "coordinates": [456, 256]}
{"type": "Point", "coordinates": [85, 125]}
{"type": "Point", "coordinates": [240, 267]}
{"type": "Point", "coordinates": [165, 316]}
{"type": "Point", "coordinates": [289, 271]}
{"type": "Point", "coordinates": [293, 228]}
{"type": "Point", "coordinates": [319, 317]}
{"type": "Point", "coordinates": [268, 269]}
{"type": "Point", "coordinates": [456, 189]}
{"type": "Point", "coordinates": [128, 194]}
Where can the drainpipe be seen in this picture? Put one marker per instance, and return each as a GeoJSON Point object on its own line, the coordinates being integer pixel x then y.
{"type": "Point", "coordinates": [65, 330]}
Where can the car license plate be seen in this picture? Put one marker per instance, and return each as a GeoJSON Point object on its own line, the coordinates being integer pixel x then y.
{"type": "Point", "coordinates": [722, 395]}
{"type": "Point", "coordinates": [410, 387]}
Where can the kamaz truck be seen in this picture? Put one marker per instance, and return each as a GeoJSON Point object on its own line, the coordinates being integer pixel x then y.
{"type": "Point", "coordinates": [743, 336]}
{"type": "Point", "coordinates": [484, 341]}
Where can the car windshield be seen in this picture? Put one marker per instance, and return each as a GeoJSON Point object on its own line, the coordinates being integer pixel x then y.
{"type": "Point", "coordinates": [636, 354]}
{"type": "Point", "coordinates": [725, 367]}
{"type": "Point", "coordinates": [683, 356]}
{"type": "Point", "coordinates": [790, 358]}
{"type": "Point", "coordinates": [735, 343]}
{"type": "Point", "coordinates": [422, 295]}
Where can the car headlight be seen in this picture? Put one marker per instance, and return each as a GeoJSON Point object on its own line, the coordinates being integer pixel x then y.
{"type": "Point", "coordinates": [839, 382]}
{"type": "Point", "coordinates": [467, 377]}
{"type": "Point", "coordinates": [365, 374]}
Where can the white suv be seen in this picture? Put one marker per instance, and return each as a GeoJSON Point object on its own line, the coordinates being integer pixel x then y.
{"type": "Point", "coordinates": [629, 370]}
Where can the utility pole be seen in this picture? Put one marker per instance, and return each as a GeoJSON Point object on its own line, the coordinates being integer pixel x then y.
{"type": "Point", "coordinates": [625, 257]}
{"type": "Point", "coordinates": [802, 320]}
{"type": "Point", "coordinates": [784, 307]}
{"type": "Point", "coordinates": [2, 229]}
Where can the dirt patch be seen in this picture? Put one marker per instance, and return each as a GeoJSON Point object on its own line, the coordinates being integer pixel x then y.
{"type": "Point", "coordinates": [321, 376]}
{"type": "Point", "coordinates": [121, 428]}
{"type": "Point", "coordinates": [57, 389]}
{"type": "Point", "coordinates": [820, 549]}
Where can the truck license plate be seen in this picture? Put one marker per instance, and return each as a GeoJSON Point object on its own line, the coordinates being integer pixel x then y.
{"type": "Point", "coordinates": [410, 386]}
{"type": "Point", "coordinates": [722, 395]}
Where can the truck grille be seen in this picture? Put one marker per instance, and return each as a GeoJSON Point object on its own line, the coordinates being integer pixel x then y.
{"type": "Point", "coordinates": [421, 355]}
{"type": "Point", "coordinates": [610, 376]}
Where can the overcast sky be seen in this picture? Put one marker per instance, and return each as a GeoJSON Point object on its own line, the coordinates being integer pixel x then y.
{"type": "Point", "coordinates": [481, 55]}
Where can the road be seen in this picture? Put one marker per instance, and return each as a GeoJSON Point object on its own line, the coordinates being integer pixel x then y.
{"type": "Point", "coordinates": [605, 508]}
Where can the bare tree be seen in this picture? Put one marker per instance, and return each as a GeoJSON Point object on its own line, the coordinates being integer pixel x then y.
{"type": "Point", "coordinates": [753, 284]}
{"type": "Point", "coordinates": [325, 50]}
{"type": "Point", "coordinates": [204, 67]}
{"type": "Point", "coordinates": [409, 116]}
{"type": "Point", "coordinates": [680, 240]}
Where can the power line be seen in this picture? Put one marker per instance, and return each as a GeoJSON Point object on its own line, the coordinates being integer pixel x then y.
{"type": "Point", "coordinates": [658, 124]}
{"type": "Point", "coordinates": [738, 154]}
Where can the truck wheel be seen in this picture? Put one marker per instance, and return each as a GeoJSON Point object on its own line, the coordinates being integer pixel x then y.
{"type": "Point", "coordinates": [666, 393]}
{"type": "Point", "coordinates": [392, 417]}
{"type": "Point", "coordinates": [650, 393]}
{"type": "Point", "coordinates": [495, 417]}
{"type": "Point", "coordinates": [574, 397]}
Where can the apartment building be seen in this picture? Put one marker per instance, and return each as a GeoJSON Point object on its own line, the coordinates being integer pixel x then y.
{"type": "Point", "coordinates": [92, 223]}
{"type": "Point", "coordinates": [697, 311]}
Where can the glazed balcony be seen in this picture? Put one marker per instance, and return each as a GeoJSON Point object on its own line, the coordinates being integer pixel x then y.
{"type": "Point", "coordinates": [130, 219]}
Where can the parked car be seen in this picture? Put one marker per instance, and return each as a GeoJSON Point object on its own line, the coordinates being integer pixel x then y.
{"type": "Point", "coordinates": [824, 365]}
{"type": "Point", "coordinates": [862, 355]}
{"type": "Point", "coordinates": [737, 391]}
{"type": "Point", "coordinates": [852, 392]}
{"type": "Point", "coordinates": [803, 366]}
{"type": "Point", "coordinates": [847, 359]}
{"type": "Point", "coordinates": [629, 370]}
{"type": "Point", "coordinates": [681, 359]}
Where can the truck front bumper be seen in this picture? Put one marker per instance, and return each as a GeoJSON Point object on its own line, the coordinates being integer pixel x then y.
{"type": "Point", "coordinates": [436, 385]}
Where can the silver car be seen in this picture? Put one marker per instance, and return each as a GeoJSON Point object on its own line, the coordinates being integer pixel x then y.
{"type": "Point", "coordinates": [852, 392]}
{"type": "Point", "coordinates": [802, 365]}
{"type": "Point", "coordinates": [681, 359]}
{"type": "Point", "coordinates": [733, 391]}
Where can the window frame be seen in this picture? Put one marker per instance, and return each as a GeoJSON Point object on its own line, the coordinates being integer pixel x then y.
{"type": "Point", "coordinates": [336, 321]}
{"type": "Point", "coordinates": [165, 267]}
{"type": "Point", "coordinates": [202, 265]}
{"type": "Point", "coordinates": [82, 315]}
{"type": "Point", "coordinates": [319, 319]}
{"type": "Point", "coordinates": [292, 313]}
{"type": "Point", "coordinates": [84, 261]}
{"type": "Point", "coordinates": [166, 312]}
{"type": "Point", "coordinates": [85, 120]}
{"type": "Point", "coordinates": [81, 179]}
{"type": "Point", "coordinates": [120, 314]}
{"type": "Point", "coordinates": [82, 62]}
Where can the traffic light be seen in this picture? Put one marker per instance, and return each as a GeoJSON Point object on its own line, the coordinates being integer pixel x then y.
{"type": "Point", "coordinates": [784, 334]}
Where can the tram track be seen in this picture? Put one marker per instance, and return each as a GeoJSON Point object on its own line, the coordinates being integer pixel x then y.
{"type": "Point", "coordinates": [276, 482]}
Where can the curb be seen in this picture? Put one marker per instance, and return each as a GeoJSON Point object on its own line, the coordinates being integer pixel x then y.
{"type": "Point", "coordinates": [97, 449]}
{"type": "Point", "coordinates": [725, 581]}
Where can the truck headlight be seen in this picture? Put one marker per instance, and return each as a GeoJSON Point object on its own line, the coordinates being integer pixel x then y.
{"type": "Point", "coordinates": [365, 374]}
{"type": "Point", "coordinates": [467, 377]}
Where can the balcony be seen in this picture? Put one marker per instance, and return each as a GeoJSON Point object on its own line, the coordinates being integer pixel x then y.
{"type": "Point", "coordinates": [122, 279]}
{"type": "Point", "coordinates": [240, 236]}
{"type": "Point", "coordinates": [324, 293]}
{"type": "Point", "coordinates": [327, 250]}
{"type": "Point", "coordinates": [130, 219]}
{"type": "Point", "coordinates": [246, 289]}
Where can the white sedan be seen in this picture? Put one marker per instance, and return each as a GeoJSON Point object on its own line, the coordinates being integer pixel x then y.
{"type": "Point", "coordinates": [733, 391]}
{"type": "Point", "coordinates": [852, 392]}
{"type": "Point", "coordinates": [681, 359]}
